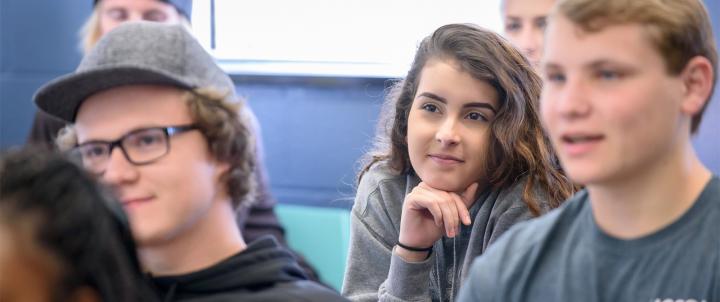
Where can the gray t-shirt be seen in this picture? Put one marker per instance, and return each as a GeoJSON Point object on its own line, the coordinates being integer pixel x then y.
{"type": "Point", "coordinates": [374, 273]}
{"type": "Point", "coordinates": [564, 256]}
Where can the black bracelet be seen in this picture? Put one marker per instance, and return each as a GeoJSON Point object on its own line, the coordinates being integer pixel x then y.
{"type": "Point", "coordinates": [415, 249]}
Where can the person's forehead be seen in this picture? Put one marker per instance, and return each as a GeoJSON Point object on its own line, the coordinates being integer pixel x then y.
{"type": "Point", "coordinates": [130, 2]}
{"type": "Point", "coordinates": [132, 99]}
{"type": "Point", "coordinates": [527, 8]}
{"type": "Point", "coordinates": [567, 41]}
{"type": "Point", "coordinates": [137, 4]}
{"type": "Point", "coordinates": [435, 75]}
{"type": "Point", "coordinates": [116, 111]}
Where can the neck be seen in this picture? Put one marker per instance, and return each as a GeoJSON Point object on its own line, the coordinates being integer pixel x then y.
{"type": "Point", "coordinates": [648, 200]}
{"type": "Point", "coordinates": [213, 238]}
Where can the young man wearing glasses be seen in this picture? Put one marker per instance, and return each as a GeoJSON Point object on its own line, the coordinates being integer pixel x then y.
{"type": "Point", "coordinates": [157, 121]}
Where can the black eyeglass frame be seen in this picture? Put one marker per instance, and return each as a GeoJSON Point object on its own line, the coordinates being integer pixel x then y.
{"type": "Point", "coordinates": [169, 131]}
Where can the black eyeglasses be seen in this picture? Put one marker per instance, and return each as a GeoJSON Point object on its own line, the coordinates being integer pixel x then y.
{"type": "Point", "coordinates": [140, 147]}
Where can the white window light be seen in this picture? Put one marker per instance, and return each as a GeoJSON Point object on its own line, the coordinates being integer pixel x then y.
{"type": "Point", "coordinates": [350, 38]}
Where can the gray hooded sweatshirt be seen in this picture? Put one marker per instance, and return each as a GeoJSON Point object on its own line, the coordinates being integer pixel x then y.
{"type": "Point", "coordinates": [375, 273]}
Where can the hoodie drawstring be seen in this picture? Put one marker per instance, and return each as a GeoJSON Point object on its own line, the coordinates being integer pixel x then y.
{"type": "Point", "coordinates": [170, 293]}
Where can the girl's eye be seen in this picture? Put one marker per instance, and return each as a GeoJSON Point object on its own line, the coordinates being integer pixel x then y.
{"type": "Point", "coordinates": [430, 108]}
{"type": "Point", "coordinates": [476, 116]}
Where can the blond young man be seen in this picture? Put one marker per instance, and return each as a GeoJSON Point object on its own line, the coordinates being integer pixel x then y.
{"type": "Point", "coordinates": [626, 83]}
{"type": "Point", "coordinates": [158, 122]}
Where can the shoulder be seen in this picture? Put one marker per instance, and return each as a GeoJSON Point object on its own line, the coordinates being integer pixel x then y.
{"type": "Point", "coordinates": [301, 291]}
{"type": "Point", "coordinates": [507, 205]}
{"type": "Point", "coordinates": [706, 207]}
{"type": "Point", "coordinates": [379, 200]}
{"type": "Point", "coordinates": [712, 191]}
{"type": "Point", "coordinates": [307, 291]}
{"type": "Point", "coordinates": [517, 248]}
{"type": "Point", "coordinates": [380, 174]}
{"type": "Point", "coordinates": [512, 197]}
{"type": "Point", "coordinates": [380, 184]}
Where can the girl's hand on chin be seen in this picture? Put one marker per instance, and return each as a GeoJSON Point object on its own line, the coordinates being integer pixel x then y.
{"type": "Point", "coordinates": [428, 213]}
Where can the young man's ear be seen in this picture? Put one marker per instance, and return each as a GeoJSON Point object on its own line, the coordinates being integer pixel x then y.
{"type": "Point", "coordinates": [698, 79]}
{"type": "Point", "coordinates": [223, 168]}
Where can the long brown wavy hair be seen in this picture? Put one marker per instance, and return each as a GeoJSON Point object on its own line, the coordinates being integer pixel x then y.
{"type": "Point", "coordinates": [518, 146]}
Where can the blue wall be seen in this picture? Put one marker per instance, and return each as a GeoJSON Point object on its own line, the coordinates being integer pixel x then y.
{"type": "Point", "coordinates": [314, 129]}
{"type": "Point", "coordinates": [37, 43]}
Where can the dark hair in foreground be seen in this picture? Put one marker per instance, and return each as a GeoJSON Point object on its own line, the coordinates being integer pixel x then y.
{"type": "Point", "coordinates": [74, 221]}
{"type": "Point", "coordinates": [518, 146]}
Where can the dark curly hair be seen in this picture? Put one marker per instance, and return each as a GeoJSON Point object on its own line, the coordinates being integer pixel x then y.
{"type": "Point", "coordinates": [74, 221]}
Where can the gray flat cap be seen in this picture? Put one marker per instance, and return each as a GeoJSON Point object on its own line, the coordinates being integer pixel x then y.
{"type": "Point", "coordinates": [135, 53]}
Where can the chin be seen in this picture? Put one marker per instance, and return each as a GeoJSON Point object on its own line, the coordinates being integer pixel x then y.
{"type": "Point", "coordinates": [586, 176]}
{"type": "Point", "coordinates": [445, 185]}
{"type": "Point", "coordinates": [149, 235]}
{"type": "Point", "coordinates": [149, 240]}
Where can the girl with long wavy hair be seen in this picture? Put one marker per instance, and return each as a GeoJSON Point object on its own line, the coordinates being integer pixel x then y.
{"type": "Point", "coordinates": [459, 158]}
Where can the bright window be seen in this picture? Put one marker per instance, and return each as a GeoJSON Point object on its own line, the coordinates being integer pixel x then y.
{"type": "Point", "coordinates": [355, 38]}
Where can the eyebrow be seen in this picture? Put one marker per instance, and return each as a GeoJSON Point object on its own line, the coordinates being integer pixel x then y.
{"type": "Point", "coordinates": [550, 65]}
{"type": "Point", "coordinates": [540, 17]}
{"type": "Point", "coordinates": [438, 98]}
{"type": "Point", "coordinates": [533, 18]}
{"type": "Point", "coordinates": [120, 137]}
{"type": "Point", "coordinates": [604, 62]}
{"type": "Point", "coordinates": [592, 65]}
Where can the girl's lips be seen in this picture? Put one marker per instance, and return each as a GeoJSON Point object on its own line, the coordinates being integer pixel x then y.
{"type": "Point", "coordinates": [131, 201]}
{"type": "Point", "coordinates": [445, 160]}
